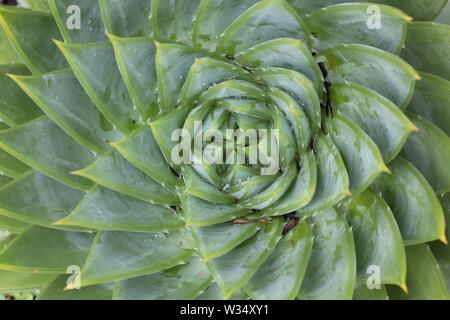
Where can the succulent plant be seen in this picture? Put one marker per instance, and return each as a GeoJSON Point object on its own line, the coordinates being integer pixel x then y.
{"type": "Point", "coordinates": [93, 205]}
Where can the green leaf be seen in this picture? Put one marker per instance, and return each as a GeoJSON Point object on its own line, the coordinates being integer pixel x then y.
{"type": "Point", "coordinates": [420, 9]}
{"type": "Point", "coordinates": [213, 292]}
{"type": "Point", "coordinates": [8, 55]}
{"type": "Point", "coordinates": [379, 118]}
{"type": "Point", "coordinates": [429, 150]}
{"type": "Point", "coordinates": [141, 149]}
{"type": "Point", "coordinates": [31, 34]}
{"type": "Point", "coordinates": [200, 188]}
{"type": "Point", "coordinates": [12, 226]}
{"type": "Point", "coordinates": [332, 179]}
{"type": "Point", "coordinates": [126, 18]}
{"type": "Point", "coordinates": [112, 171]}
{"type": "Point", "coordinates": [56, 291]}
{"type": "Point", "coordinates": [37, 199]}
{"type": "Point", "coordinates": [426, 48]}
{"type": "Point", "coordinates": [248, 187]}
{"type": "Point", "coordinates": [91, 27]}
{"type": "Point", "coordinates": [267, 20]}
{"type": "Point", "coordinates": [207, 72]}
{"type": "Point", "coordinates": [425, 280]}
{"type": "Point", "coordinates": [349, 24]}
{"type": "Point", "coordinates": [213, 17]}
{"type": "Point", "coordinates": [136, 60]}
{"type": "Point", "coordinates": [37, 5]}
{"type": "Point", "coordinates": [298, 87]}
{"type": "Point", "coordinates": [164, 127]}
{"type": "Point", "coordinates": [274, 192]}
{"type": "Point", "coordinates": [103, 209]}
{"type": "Point", "coordinates": [378, 241]}
{"type": "Point", "coordinates": [95, 66]}
{"type": "Point", "coordinates": [184, 282]}
{"type": "Point", "coordinates": [45, 147]}
{"type": "Point", "coordinates": [53, 251]}
{"type": "Point", "coordinates": [15, 106]}
{"type": "Point", "coordinates": [280, 276]}
{"type": "Point", "coordinates": [301, 192]}
{"type": "Point", "coordinates": [61, 97]}
{"type": "Point", "coordinates": [361, 156]}
{"type": "Point", "coordinates": [415, 205]}
{"type": "Point", "coordinates": [121, 255]}
{"type": "Point", "coordinates": [219, 239]}
{"type": "Point", "coordinates": [18, 281]}
{"type": "Point", "coordinates": [364, 293]}
{"type": "Point", "coordinates": [331, 273]}
{"type": "Point", "coordinates": [173, 62]}
{"type": "Point", "coordinates": [441, 249]}
{"type": "Point", "coordinates": [201, 213]}
{"type": "Point", "coordinates": [291, 54]}
{"type": "Point", "coordinates": [232, 270]}
{"type": "Point", "coordinates": [10, 166]}
{"type": "Point", "coordinates": [173, 20]}
{"type": "Point", "coordinates": [431, 100]}
{"type": "Point", "coordinates": [373, 68]}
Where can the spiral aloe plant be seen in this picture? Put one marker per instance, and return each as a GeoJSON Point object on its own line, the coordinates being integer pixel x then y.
{"type": "Point", "coordinates": [93, 205]}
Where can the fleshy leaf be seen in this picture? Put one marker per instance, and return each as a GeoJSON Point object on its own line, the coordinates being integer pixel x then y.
{"type": "Point", "coordinates": [280, 276]}
{"type": "Point", "coordinates": [141, 149]}
{"type": "Point", "coordinates": [95, 66]}
{"type": "Point", "coordinates": [17, 281]}
{"type": "Point", "coordinates": [291, 54]}
{"type": "Point", "coordinates": [121, 255]}
{"type": "Point", "coordinates": [56, 251]}
{"type": "Point", "coordinates": [11, 226]}
{"type": "Point", "coordinates": [45, 147]}
{"type": "Point", "coordinates": [429, 150]}
{"type": "Point", "coordinates": [219, 239]}
{"type": "Point", "coordinates": [173, 62]}
{"type": "Point", "coordinates": [373, 68]}
{"type": "Point", "coordinates": [15, 106]}
{"type": "Point", "coordinates": [233, 270]}
{"type": "Point", "coordinates": [200, 213]}
{"type": "Point", "coordinates": [266, 20]}
{"type": "Point", "coordinates": [349, 23]}
{"type": "Point", "coordinates": [104, 209]}
{"type": "Point", "coordinates": [172, 20]}
{"type": "Point", "coordinates": [431, 100]}
{"type": "Point", "coordinates": [427, 48]}
{"type": "Point", "coordinates": [184, 282]}
{"type": "Point", "coordinates": [62, 98]}
{"type": "Point", "coordinates": [198, 187]}
{"type": "Point", "coordinates": [10, 166]}
{"type": "Point", "coordinates": [56, 291]}
{"type": "Point", "coordinates": [66, 13]}
{"type": "Point", "coordinates": [136, 60]}
{"type": "Point", "coordinates": [126, 18]}
{"type": "Point", "coordinates": [364, 293]}
{"type": "Point", "coordinates": [37, 199]}
{"type": "Point", "coordinates": [425, 280]}
{"type": "Point", "coordinates": [301, 191]}
{"type": "Point", "coordinates": [380, 119]}
{"type": "Point", "coordinates": [31, 33]}
{"type": "Point", "coordinates": [113, 172]}
{"type": "Point", "coordinates": [361, 156]}
{"type": "Point", "coordinates": [378, 241]}
{"type": "Point", "coordinates": [331, 272]}
{"type": "Point", "coordinates": [213, 17]}
{"type": "Point", "coordinates": [415, 205]}
{"type": "Point", "coordinates": [332, 179]}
